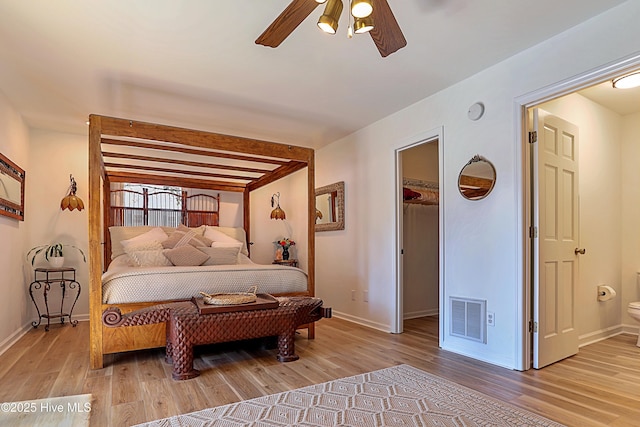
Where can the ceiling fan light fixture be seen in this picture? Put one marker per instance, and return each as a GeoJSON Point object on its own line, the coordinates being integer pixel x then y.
{"type": "Point", "coordinates": [627, 82]}
{"type": "Point", "coordinates": [320, 1]}
{"type": "Point", "coordinates": [363, 25]}
{"type": "Point", "coordinates": [361, 8]}
{"type": "Point", "coordinates": [328, 22]}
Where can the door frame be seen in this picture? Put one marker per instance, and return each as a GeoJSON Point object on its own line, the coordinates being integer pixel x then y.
{"type": "Point", "coordinates": [523, 174]}
{"type": "Point", "coordinates": [413, 141]}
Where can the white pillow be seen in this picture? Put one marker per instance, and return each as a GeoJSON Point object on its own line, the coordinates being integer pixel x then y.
{"type": "Point", "coordinates": [227, 235]}
{"type": "Point", "coordinates": [147, 254]}
{"type": "Point", "coordinates": [121, 233]}
{"type": "Point", "coordinates": [154, 235]}
{"type": "Point", "coordinates": [218, 236]}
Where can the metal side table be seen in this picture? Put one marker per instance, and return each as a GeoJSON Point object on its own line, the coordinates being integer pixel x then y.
{"type": "Point", "coordinates": [44, 278]}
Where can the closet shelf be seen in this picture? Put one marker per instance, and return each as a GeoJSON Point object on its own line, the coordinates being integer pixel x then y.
{"type": "Point", "coordinates": [420, 192]}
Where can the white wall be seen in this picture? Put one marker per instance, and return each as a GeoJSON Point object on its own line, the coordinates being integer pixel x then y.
{"type": "Point", "coordinates": [600, 189]}
{"type": "Point", "coordinates": [231, 208]}
{"type": "Point", "coordinates": [14, 317]}
{"type": "Point", "coordinates": [264, 230]}
{"type": "Point", "coordinates": [53, 156]}
{"type": "Point", "coordinates": [630, 215]}
{"type": "Point", "coordinates": [482, 240]}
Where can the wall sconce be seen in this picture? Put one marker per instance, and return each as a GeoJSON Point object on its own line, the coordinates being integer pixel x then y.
{"type": "Point", "coordinates": [71, 201]}
{"type": "Point", "coordinates": [277, 213]}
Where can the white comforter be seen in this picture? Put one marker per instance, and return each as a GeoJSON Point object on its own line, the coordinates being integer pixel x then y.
{"type": "Point", "coordinates": [123, 284]}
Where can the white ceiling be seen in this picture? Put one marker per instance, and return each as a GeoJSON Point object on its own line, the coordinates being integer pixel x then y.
{"type": "Point", "coordinates": [622, 101]}
{"type": "Point", "coordinates": [195, 64]}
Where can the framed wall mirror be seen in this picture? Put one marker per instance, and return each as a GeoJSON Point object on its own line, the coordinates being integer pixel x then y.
{"type": "Point", "coordinates": [477, 178]}
{"type": "Point", "coordinates": [11, 189]}
{"type": "Point", "coordinates": [330, 207]}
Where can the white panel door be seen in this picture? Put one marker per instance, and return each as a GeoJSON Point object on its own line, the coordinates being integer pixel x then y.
{"type": "Point", "coordinates": [556, 255]}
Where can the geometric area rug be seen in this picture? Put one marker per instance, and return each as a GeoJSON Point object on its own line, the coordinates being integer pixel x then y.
{"type": "Point", "coordinates": [397, 396]}
{"type": "Point", "coordinates": [64, 411]}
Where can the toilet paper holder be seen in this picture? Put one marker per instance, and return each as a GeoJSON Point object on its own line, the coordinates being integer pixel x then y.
{"type": "Point", "coordinates": [605, 293]}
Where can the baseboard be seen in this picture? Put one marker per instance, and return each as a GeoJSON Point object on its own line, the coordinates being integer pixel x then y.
{"type": "Point", "coordinates": [603, 334]}
{"type": "Point", "coordinates": [421, 313]}
{"type": "Point", "coordinates": [631, 329]}
{"type": "Point", "coordinates": [76, 317]}
{"type": "Point", "coordinates": [19, 333]}
{"type": "Point", "coordinates": [14, 337]}
{"type": "Point", "coordinates": [361, 321]}
{"type": "Point", "coordinates": [81, 317]}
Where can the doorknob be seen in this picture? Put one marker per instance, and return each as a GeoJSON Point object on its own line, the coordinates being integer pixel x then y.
{"type": "Point", "coordinates": [580, 251]}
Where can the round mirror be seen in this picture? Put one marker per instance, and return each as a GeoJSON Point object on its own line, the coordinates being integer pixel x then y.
{"type": "Point", "coordinates": [477, 178]}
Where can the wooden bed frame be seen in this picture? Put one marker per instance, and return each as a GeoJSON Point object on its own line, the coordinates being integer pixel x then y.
{"type": "Point", "coordinates": [233, 164]}
{"type": "Point", "coordinates": [153, 206]}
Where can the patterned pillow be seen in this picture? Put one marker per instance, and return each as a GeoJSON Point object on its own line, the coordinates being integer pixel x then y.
{"type": "Point", "coordinates": [185, 256]}
{"type": "Point", "coordinates": [182, 238]}
{"type": "Point", "coordinates": [221, 256]}
{"type": "Point", "coordinates": [199, 230]}
{"type": "Point", "coordinates": [147, 254]}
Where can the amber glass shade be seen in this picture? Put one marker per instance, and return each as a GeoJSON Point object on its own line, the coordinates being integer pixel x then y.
{"type": "Point", "coordinates": [72, 202]}
{"type": "Point", "coordinates": [278, 213]}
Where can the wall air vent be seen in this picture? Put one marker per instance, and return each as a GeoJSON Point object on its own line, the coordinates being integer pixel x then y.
{"type": "Point", "coordinates": [468, 319]}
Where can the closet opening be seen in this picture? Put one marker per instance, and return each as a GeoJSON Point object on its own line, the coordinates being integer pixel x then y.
{"type": "Point", "coordinates": [419, 234]}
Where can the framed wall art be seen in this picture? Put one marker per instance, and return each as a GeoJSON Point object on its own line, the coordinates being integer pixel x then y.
{"type": "Point", "coordinates": [330, 207]}
{"type": "Point", "coordinates": [11, 189]}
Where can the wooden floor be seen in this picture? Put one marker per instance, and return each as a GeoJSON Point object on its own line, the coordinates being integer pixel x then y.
{"type": "Point", "coordinates": [599, 386]}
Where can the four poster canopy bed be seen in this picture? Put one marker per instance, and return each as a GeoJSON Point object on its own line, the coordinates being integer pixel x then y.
{"type": "Point", "coordinates": [154, 246]}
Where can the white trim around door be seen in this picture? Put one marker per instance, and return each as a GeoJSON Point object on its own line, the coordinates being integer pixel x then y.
{"type": "Point", "coordinates": [523, 185]}
{"type": "Point", "coordinates": [423, 137]}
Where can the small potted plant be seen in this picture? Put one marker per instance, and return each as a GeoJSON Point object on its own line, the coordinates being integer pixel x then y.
{"type": "Point", "coordinates": [53, 253]}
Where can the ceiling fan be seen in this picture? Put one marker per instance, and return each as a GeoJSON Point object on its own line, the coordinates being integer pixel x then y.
{"type": "Point", "coordinates": [381, 24]}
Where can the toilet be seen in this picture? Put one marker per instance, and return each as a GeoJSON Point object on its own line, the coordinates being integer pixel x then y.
{"type": "Point", "coordinates": [634, 311]}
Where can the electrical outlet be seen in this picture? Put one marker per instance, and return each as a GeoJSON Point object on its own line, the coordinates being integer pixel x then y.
{"type": "Point", "coordinates": [491, 318]}
{"type": "Point", "coordinates": [353, 295]}
{"type": "Point", "coordinates": [365, 296]}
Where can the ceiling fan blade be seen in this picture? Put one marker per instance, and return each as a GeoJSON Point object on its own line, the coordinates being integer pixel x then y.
{"type": "Point", "coordinates": [286, 22]}
{"type": "Point", "coordinates": [386, 34]}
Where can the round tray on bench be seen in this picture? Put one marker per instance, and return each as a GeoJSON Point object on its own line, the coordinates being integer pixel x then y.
{"type": "Point", "coordinates": [230, 298]}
